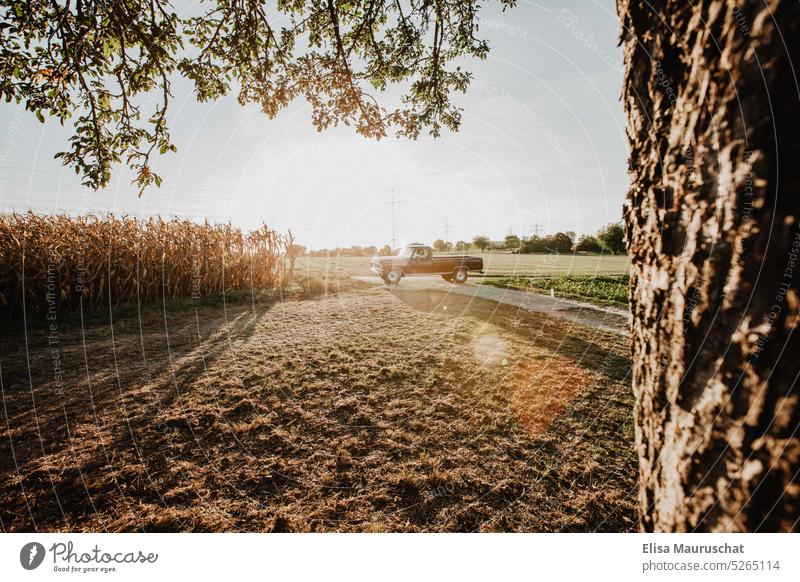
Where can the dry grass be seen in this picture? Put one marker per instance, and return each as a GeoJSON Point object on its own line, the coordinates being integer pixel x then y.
{"type": "Point", "coordinates": [63, 263]}
{"type": "Point", "coordinates": [361, 411]}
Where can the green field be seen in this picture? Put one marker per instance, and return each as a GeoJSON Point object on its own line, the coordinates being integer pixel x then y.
{"type": "Point", "coordinates": [601, 289]}
{"type": "Point", "coordinates": [496, 264]}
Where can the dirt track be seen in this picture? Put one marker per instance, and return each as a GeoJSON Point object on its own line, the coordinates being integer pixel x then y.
{"type": "Point", "coordinates": [609, 319]}
{"type": "Point", "coordinates": [365, 411]}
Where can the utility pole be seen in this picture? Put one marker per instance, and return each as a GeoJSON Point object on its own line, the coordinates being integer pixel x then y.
{"type": "Point", "coordinates": [446, 230]}
{"type": "Point", "coordinates": [394, 202]}
{"type": "Point", "coordinates": [535, 229]}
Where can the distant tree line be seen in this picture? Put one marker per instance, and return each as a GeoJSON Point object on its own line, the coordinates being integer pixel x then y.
{"type": "Point", "coordinates": [609, 239]}
{"type": "Point", "coordinates": [353, 251]}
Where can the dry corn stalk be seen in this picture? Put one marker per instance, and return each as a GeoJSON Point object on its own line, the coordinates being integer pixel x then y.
{"type": "Point", "coordinates": [61, 261]}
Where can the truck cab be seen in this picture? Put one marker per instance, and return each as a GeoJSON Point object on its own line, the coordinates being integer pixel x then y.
{"type": "Point", "coordinates": [418, 253]}
{"type": "Point", "coordinates": [420, 258]}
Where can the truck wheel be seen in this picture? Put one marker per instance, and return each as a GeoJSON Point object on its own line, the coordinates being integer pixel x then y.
{"type": "Point", "coordinates": [460, 275]}
{"type": "Point", "coordinates": [393, 277]}
{"type": "Point", "coordinates": [448, 278]}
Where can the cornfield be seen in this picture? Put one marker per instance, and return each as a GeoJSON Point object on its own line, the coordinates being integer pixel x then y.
{"type": "Point", "coordinates": [62, 262]}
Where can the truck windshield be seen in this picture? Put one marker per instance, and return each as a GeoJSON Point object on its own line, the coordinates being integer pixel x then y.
{"type": "Point", "coordinates": [406, 252]}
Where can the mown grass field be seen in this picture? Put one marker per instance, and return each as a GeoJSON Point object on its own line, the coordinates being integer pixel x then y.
{"type": "Point", "coordinates": [496, 264]}
{"type": "Point", "coordinates": [363, 409]}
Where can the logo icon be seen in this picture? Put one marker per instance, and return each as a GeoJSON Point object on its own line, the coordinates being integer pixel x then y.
{"type": "Point", "coordinates": [31, 555]}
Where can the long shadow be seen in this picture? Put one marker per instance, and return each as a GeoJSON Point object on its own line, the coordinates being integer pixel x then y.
{"type": "Point", "coordinates": [77, 406]}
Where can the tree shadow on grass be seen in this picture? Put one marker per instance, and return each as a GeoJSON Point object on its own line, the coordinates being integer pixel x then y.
{"type": "Point", "coordinates": [78, 404]}
{"type": "Point", "coordinates": [279, 436]}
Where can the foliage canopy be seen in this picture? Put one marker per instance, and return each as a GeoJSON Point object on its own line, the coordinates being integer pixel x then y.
{"type": "Point", "coordinates": [109, 64]}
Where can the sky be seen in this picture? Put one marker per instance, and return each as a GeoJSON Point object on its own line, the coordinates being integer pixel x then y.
{"type": "Point", "coordinates": [541, 148]}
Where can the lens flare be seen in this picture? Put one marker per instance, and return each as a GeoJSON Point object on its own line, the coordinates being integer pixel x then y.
{"type": "Point", "coordinates": [490, 350]}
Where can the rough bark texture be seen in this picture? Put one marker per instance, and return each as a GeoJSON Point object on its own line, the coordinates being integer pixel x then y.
{"type": "Point", "coordinates": [712, 228]}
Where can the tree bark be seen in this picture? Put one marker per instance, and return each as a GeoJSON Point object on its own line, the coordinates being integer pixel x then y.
{"type": "Point", "coordinates": [713, 233]}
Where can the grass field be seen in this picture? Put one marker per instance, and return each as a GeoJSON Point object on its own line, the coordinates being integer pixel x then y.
{"type": "Point", "coordinates": [496, 264]}
{"type": "Point", "coordinates": [600, 279]}
{"type": "Point", "coordinates": [365, 410]}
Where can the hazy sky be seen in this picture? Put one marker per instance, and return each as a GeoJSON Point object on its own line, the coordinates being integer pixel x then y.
{"type": "Point", "coordinates": [542, 142]}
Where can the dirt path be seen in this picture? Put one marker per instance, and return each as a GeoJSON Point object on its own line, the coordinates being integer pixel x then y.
{"type": "Point", "coordinates": [608, 319]}
{"type": "Point", "coordinates": [363, 411]}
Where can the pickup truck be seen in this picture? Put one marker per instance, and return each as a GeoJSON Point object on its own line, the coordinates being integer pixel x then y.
{"type": "Point", "coordinates": [419, 260]}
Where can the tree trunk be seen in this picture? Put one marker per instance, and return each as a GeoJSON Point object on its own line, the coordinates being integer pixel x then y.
{"type": "Point", "coordinates": [713, 233]}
